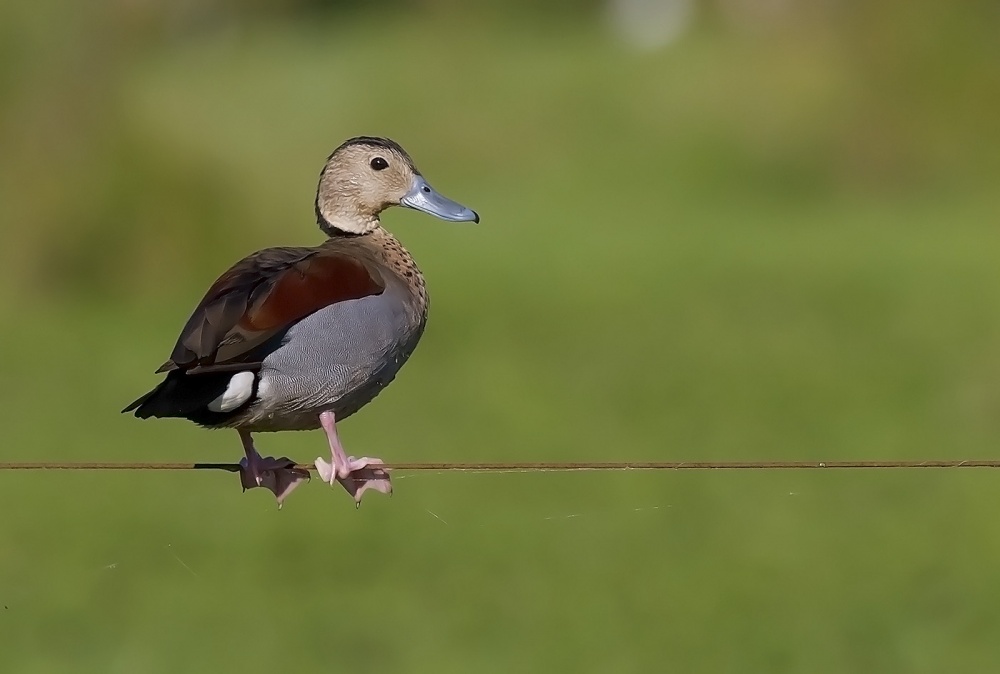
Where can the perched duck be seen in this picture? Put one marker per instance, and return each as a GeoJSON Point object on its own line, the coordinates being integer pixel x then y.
{"type": "Point", "coordinates": [300, 338]}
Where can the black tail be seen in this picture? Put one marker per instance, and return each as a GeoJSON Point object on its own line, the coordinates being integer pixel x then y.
{"type": "Point", "coordinates": [135, 405]}
{"type": "Point", "coordinates": [184, 395]}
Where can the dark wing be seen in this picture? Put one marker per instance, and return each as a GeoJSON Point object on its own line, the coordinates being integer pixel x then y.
{"type": "Point", "coordinates": [260, 296]}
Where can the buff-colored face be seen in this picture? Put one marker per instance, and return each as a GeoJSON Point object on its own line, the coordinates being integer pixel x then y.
{"type": "Point", "coordinates": [365, 176]}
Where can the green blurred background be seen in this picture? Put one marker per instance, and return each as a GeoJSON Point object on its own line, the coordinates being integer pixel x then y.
{"type": "Point", "coordinates": [712, 229]}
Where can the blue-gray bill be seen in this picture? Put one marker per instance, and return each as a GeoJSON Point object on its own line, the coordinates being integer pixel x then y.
{"type": "Point", "coordinates": [423, 197]}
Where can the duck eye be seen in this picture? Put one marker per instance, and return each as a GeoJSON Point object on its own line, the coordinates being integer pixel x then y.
{"type": "Point", "coordinates": [378, 163]}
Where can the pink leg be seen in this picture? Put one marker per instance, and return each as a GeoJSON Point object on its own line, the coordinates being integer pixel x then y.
{"type": "Point", "coordinates": [279, 475]}
{"type": "Point", "coordinates": [355, 475]}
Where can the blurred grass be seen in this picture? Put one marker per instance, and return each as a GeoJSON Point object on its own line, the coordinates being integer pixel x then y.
{"type": "Point", "coordinates": [757, 243]}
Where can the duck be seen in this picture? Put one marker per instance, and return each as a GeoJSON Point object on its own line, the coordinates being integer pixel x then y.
{"type": "Point", "coordinates": [300, 338]}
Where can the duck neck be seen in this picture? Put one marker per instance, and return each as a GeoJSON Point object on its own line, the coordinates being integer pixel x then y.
{"type": "Point", "coordinates": [356, 226]}
{"type": "Point", "coordinates": [337, 224]}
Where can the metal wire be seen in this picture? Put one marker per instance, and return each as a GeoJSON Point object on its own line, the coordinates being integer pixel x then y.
{"type": "Point", "coordinates": [532, 466]}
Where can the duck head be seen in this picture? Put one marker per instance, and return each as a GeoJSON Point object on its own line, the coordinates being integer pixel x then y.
{"type": "Point", "coordinates": [366, 175]}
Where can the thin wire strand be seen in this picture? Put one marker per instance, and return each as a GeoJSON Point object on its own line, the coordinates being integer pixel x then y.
{"type": "Point", "coordinates": [532, 466]}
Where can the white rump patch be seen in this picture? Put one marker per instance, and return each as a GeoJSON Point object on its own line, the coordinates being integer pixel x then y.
{"type": "Point", "coordinates": [238, 391]}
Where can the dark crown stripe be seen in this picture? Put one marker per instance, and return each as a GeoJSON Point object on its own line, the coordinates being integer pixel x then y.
{"type": "Point", "coordinates": [372, 141]}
